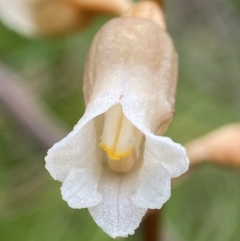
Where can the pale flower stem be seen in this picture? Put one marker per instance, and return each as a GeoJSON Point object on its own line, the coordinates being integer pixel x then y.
{"type": "Point", "coordinates": [160, 2]}
{"type": "Point", "coordinates": [150, 10]}
{"type": "Point", "coordinates": [221, 146]}
{"type": "Point", "coordinates": [27, 111]}
{"type": "Point", "coordinates": [103, 6]}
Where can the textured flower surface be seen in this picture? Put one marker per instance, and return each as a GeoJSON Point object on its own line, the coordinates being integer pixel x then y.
{"type": "Point", "coordinates": [115, 162]}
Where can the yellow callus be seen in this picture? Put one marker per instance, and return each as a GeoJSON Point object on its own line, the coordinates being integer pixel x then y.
{"type": "Point", "coordinates": [113, 155]}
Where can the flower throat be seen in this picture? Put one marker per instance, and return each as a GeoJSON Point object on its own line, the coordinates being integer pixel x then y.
{"type": "Point", "coordinates": [120, 140]}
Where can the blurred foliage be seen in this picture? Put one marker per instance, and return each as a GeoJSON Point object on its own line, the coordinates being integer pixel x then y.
{"type": "Point", "coordinates": [205, 205]}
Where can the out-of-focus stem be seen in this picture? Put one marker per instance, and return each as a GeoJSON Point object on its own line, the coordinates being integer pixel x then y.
{"type": "Point", "coordinates": [221, 146]}
{"type": "Point", "coordinates": [103, 6]}
{"type": "Point", "coordinates": [160, 2]}
{"type": "Point", "coordinates": [150, 226]}
{"type": "Point", "coordinates": [27, 111]}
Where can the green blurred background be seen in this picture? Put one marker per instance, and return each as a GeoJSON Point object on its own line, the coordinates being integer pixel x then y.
{"type": "Point", "coordinates": [205, 205]}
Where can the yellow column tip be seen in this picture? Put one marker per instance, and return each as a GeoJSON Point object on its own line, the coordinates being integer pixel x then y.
{"type": "Point", "coordinates": [113, 155]}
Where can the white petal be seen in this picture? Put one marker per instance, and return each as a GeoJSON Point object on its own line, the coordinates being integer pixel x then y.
{"type": "Point", "coordinates": [154, 185]}
{"type": "Point", "coordinates": [76, 161]}
{"type": "Point", "coordinates": [80, 188]}
{"type": "Point", "coordinates": [116, 214]}
{"type": "Point", "coordinates": [171, 155]}
{"type": "Point", "coordinates": [79, 147]}
{"type": "Point", "coordinates": [77, 150]}
{"type": "Point", "coordinates": [162, 160]}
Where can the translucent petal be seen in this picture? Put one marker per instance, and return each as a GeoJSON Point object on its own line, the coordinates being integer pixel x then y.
{"type": "Point", "coordinates": [154, 185]}
{"type": "Point", "coordinates": [116, 214]}
{"type": "Point", "coordinates": [77, 150]}
{"type": "Point", "coordinates": [162, 160]}
{"type": "Point", "coordinates": [76, 161]}
{"type": "Point", "coordinates": [171, 155]}
{"type": "Point", "coordinates": [80, 146]}
{"type": "Point", "coordinates": [80, 188]}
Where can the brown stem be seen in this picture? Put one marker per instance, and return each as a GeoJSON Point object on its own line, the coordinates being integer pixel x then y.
{"type": "Point", "coordinates": [27, 111]}
{"type": "Point", "coordinates": [161, 3]}
{"type": "Point", "coordinates": [150, 226]}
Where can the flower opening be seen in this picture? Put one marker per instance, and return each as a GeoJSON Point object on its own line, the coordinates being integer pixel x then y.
{"type": "Point", "coordinates": [120, 140]}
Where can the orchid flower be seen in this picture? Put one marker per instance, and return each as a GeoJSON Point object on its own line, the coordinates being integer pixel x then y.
{"type": "Point", "coordinates": [116, 162]}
